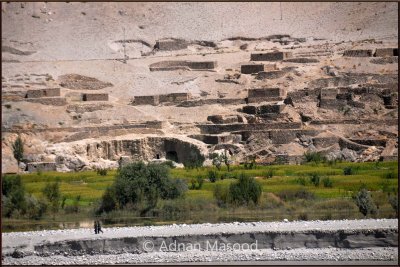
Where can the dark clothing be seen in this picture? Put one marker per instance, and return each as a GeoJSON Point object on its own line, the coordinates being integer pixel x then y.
{"type": "Point", "coordinates": [98, 227]}
{"type": "Point", "coordinates": [95, 228]}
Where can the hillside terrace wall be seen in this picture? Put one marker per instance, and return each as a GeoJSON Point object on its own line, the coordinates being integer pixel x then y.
{"type": "Point", "coordinates": [94, 97]}
{"type": "Point", "coordinates": [51, 101]}
{"type": "Point", "coordinates": [273, 56]}
{"type": "Point", "coordinates": [46, 92]}
{"type": "Point", "coordinates": [323, 142]}
{"type": "Point", "coordinates": [263, 109]}
{"type": "Point", "coordinates": [212, 101]}
{"type": "Point", "coordinates": [220, 128]}
{"type": "Point", "coordinates": [183, 64]}
{"type": "Point", "coordinates": [278, 136]}
{"type": "Point", "coordinates": [386, 52]}
{"type": "Point", "coordinates": [41, 166]}
{"type": "Point", "coordinates": [358, 53]}
{"type": "Point", "coordinates": [217, 139]}
{"type": "Point", "coordinates": [265, 75]}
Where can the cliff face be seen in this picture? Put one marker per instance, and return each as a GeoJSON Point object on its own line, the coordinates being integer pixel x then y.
{"type": "Point", "coordinates": [91, 154]}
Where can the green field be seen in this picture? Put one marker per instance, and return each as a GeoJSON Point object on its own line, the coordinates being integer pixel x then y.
{"type": "Point", "coordinates": [200, 205]}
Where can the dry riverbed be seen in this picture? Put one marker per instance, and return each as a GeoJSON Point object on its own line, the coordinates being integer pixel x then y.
{"type": "Point", "coordinates": [343, 240]}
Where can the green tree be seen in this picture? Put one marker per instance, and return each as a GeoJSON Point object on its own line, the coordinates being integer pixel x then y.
{"type": "Point", "coordinates": [53, 195]}
{"type": "Point", "coordinates": [217, 160]}
{"type": "Point", "coordinates": [140, 186]}
{"type": "Point", "coordinates": [245, 190]}
{"type": "Point", "coordinates": [13, 195]}
{"type": "Point", "coordinates": [18, 149]}
{"type": "Point", "coordinates": [194, 160]}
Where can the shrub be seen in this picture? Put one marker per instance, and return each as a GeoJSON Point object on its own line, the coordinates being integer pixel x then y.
{"type": "Point", "coordinates": [389, 175]}
{"type": "Point", "coordinates": [200, 182]}
{"type": "Point", "coordinates": [244, 191]}
{"type": "Point", "coordinates": [365, 202]}
{"type": "Point", "coordinates": [315, 179]}
{"type": "Point", "coordinates": [315, 157]}
{"type": "Point", "coordinates": [35, 208]}
{"type": "Point", "coordinates": [13, 195]}
{"type": "Point", "coordinates": [140, 186]}
{"type": "Point", "coordinates": [212, 176]}
{"type": "Point", "coordinates": [102, 171]}
{"type": "Point", "coordinates": [292, 194]}
{"type": "Point", "coordinates": [221, 195]}
{"type": "Point", "coordinates": [217, 160]}
{"type": "Point", "coordinates": [250, 163]}
{"type": "Point", "coordinates": [53, 195]}
{"type": "Point", "coordinates": [348, 170]}
{"type": "Point", "coordinates": [301, 181]}
{"type": "Point", "coordinates": [269, 173]}
{"type": "Point", "coordinates": [327, 182]}
{"type": "Point", "coordinates": [394, 202]}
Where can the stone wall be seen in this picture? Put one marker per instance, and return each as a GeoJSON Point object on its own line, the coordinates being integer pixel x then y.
{"type": "Point", "coordinates": [146, 100]}
{"type": "Point", "coordinates": [263, 109]}
{"type": "Point", "coordinates": [386, 52]}
{"type": "Point", "coordinates": [46, 92]}
{"type": "Point", "coordinates": [94, 97]}
{"type": "Point", "coordinates": [53, 101]}
{"type": "Point", "coordinates": [217, 139]}
{"type": "Point", "coordinates": [263, 75]}
{"type": "Point", "coordinates": [222, 119]}
{"type": "Point", "coordinates": [170, 44]}
{"type": "Point", "coordinates": [182, 64]}
{"type": "Point", "coordinates": [175, 97]}
{"type": "Point", "coordinates": [41, 166]}
{"type": "Point", "coordinates": [358, 53]}
{"type": "Point", "coordinates": [251, 68]}
{"type": "Point", "coordinates": [265, 94]}
{"type": "Point", "coordinates": [212, 101]}
{"type": "Point", "coordinates": [302, 60]}
{"type": "Point", "coordinates": [273, 56]}
{"type": "Point", "coordinates": [220, 128]}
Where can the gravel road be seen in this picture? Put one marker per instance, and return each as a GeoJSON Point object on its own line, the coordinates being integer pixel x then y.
{"type": "Point", "coordinates": [25, 241]}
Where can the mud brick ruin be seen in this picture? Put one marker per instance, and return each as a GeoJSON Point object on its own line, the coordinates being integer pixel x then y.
{"type": "Point", "coordinates": [94, 97]}
{"type": "Point", "coordinates": [185, 65]}
{"type": "Point", "coordinates": [155, 100]}
{"type": "Point", "coordinates": [171, 44]}
{"type": "Point", "coordinates": [274, 56]}
{"type": "Point", "coordinates": [47, 92]}
{"type": "Point", "coordinates": [265, 94]}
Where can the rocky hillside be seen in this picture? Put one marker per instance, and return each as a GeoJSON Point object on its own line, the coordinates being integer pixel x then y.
{"type": "Point", "coordinates": [89, 84]}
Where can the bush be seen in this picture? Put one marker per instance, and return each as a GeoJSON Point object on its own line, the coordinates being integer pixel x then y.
{"type": "Point", "coordinates": [13, 195]}
{"type": "Point", "coordinates": [315, 179]}
{"type": "Point", "coordinates": [303, 216]}
{"type": "Point", "coordinates": [301, 180]}
{"type": "Point", "coordinates": [244, 191]}
{"type": "Point", "coordinates": [292, 194]}
{"type": "Point", "coordinates": [327, 182]}
{"type": "Point", "coordinates": [389, 175]}
{"type": "Point", "coordinates": [35, 208]}
{"type": "Point", "coordinates": [102, 171]}
{"type": "Point", "coordinates": [140, 186]}
{"type": "Point", "coordinates": [394, 202]}
{"type": "Point", "coordinates": [53, 195]}
{"type": "Point", "coordinates": [221, 194]}
{"type": "Point", "coordinates": [315, 157]}
{"type": "Point", "coordinates": [269, 173]}
{"type": "Point", "coordinates": [348, 170]}
{"type": "Point", "coordinates": [200, 182]}
{"type": "Point", "coordinates": [365, 202]}
{"type": "Point", "coordinates": [217, 160]}
{"type": "Point", "coordinates": [212, 176]}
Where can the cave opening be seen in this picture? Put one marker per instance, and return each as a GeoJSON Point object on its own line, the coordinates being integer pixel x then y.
{"type": "Point", "coordinates": [172, 155]}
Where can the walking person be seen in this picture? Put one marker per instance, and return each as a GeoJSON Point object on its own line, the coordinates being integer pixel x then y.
{"type": "Point", "coordinates": [99, 228]}
{"type": "Point", "coordinates": [95, 228]}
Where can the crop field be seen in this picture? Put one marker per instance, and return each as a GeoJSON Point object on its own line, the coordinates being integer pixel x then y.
{"type": "Point", "coordinates": [331, 196]}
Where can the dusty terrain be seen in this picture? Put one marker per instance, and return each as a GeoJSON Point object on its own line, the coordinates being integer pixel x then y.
{"type": "Point", "coordinates": [79, 48]}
